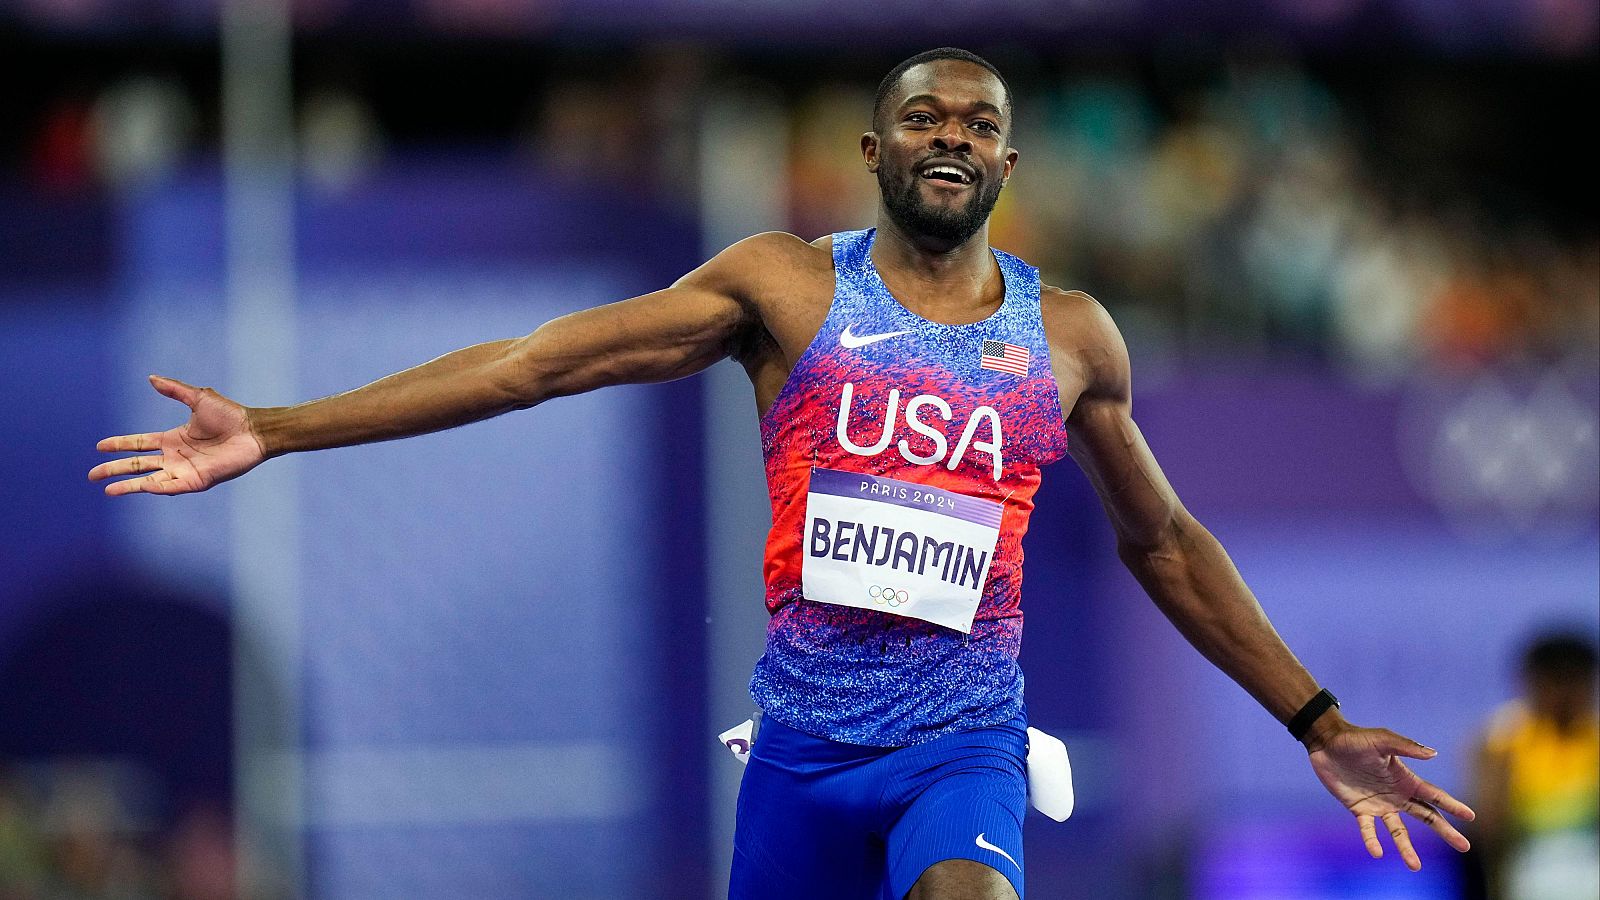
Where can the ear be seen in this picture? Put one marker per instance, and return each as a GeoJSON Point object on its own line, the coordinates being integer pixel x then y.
{"type": "Point", "coordinates": [1011, 163]}
{"type": "Point", "coordinates": [869, 150]}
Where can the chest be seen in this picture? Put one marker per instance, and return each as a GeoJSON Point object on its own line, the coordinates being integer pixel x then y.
{"type": "Point", "coordinates": [792, 323]}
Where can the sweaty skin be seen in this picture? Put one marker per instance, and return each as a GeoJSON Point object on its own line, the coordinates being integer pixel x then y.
{"type": "Point", "coordinates": [761, 302]}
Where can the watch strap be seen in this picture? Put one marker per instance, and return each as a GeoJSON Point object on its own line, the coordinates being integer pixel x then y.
{"type": "Point", "coordinates": [1301, 722]}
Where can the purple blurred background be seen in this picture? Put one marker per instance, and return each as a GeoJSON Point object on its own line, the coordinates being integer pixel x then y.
{"type": "Point", "coordinates": [1352, 244]}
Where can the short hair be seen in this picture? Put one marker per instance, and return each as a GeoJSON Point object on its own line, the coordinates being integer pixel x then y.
{"type": "Point", "coordinates": [892, 80]}
{"type": "Point", "coordinates": [1566, 655]}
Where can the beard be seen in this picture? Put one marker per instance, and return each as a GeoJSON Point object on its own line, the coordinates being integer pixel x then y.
{"type": "Point", "coordinates": [902, 197]}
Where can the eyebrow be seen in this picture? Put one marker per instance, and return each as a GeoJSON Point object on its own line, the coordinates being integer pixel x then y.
{"type": "Point", "coordinates": [931, 100]}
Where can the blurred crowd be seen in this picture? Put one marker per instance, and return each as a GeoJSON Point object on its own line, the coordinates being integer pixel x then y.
{"type": "Point", "coordinates": [1255, 212]}
{"type": "Point", "coordinates": [1252, 216]}
{"type": "Point", "coordinates": [81, 829]}
{"type": "Point", "coordinates": [1253, 208]}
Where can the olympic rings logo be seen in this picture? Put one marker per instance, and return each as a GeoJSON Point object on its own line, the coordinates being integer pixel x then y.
{"type": "Point", "coordinates": [884, 596]}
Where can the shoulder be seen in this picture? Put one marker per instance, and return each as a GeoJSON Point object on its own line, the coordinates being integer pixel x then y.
{"type": "Point", "coordinates": [761, 263]}
{"type": "Point", "coordinates": [1072, 311]}
{"type": "Point", "coordinates": [1084, 343]}
{"type": "Point", "coordinates": [780, 248]}
{"type": "Point", "coordinates": [1508, 721]}
{"type": "Point", "coordinates": [1075, 322]}
{"type": "Point", "coordinates": [1049, 293]}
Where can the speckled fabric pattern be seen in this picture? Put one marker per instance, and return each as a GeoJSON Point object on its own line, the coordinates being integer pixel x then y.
{"type": "Point", "coordinates": [871, 677]}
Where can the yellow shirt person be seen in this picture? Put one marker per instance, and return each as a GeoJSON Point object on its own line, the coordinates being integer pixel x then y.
{"type": "Point", "coordinates": [1539, 780]}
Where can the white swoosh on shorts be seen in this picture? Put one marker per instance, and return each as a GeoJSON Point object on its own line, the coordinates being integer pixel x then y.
{"type": "Point", "coordinates": [850, 341]}
{"type": "Point", "coordinates": [988, 846]}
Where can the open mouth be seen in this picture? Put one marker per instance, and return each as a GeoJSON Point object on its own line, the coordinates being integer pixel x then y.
{"type": "Point", "coordinates": [946, 173]}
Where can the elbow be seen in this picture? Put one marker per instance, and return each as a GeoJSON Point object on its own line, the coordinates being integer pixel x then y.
{"type": "Point", "coordinates": [1149, 535]}
{"type": "Point", "coordinates": [1144, 558]}
{"type": "Point", "coordinates": [518, 378]}
{"type": "Point", "coordinates": [1157, 544]}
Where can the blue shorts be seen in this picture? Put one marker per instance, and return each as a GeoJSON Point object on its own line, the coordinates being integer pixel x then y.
{"type": "Point", "coordinates": [818, 818]}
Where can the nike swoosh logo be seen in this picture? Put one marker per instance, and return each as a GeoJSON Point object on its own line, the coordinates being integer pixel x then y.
{"type": "Point", "coordinates": [851, 342]}
{"type": "Point", "coordinates": [988, 846]}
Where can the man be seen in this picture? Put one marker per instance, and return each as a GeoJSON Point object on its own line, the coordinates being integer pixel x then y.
{"type": "Point", "coordinates": [910, 382]}
{"type": "Point", "coordinates": [1538, 773]}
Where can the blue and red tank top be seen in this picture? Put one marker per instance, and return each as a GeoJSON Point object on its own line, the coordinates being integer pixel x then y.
{"type": "Point", "coordinates": [902, 457]}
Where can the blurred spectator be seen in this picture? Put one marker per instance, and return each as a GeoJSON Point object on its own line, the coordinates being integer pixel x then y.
{"type": "Point", "coordinates": [828, 183]}
{"type": "Point", "coordinates": [141, 127]}
{"type": "Point", "coordinates": [201, 857]}
{"type": "Point", "coordinates": [632, 126]}
{"type": "Point", "coordinates": [60, 151]}
{"type": "Point", "coordinates": [1378, 295]}
{"type": "Point", "coordinates": [78, 829]}
{"type": "Point", "coordinates": [1538, 779]}
{"type": "Point", "coordinates": [340, 142]}
{"type": "Point", "coordinates": [22, 859]}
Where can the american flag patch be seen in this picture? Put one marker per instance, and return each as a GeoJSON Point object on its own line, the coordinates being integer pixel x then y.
{"type": "Point", "coordinates": [1003, 357]}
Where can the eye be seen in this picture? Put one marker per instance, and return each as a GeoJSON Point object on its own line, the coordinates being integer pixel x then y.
{"type": "Point", "coordinates": [918, 118]}
{"type": "Point", "coordinates": [985, 126]}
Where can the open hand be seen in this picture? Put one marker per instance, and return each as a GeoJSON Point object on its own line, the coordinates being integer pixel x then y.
{"type": "Point", "coordinates": [1362, 768]}
{"type": "Point", "coordinates": [216, 444]}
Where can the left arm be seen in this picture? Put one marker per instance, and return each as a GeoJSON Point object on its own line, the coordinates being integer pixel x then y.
{"type": "Point", "coordinates": [1196, 586]}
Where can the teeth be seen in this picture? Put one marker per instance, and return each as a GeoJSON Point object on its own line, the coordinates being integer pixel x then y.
{"type": "Point", "coordinates": [946, 170]}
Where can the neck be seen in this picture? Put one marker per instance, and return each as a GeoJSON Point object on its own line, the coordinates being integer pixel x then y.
{"type": "Point", "coordinates": [930, 259]}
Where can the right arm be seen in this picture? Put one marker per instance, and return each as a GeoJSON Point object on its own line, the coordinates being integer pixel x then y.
{"type": "Point", "coordinates": [660, 336]}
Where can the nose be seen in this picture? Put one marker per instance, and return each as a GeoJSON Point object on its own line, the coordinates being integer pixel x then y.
{"type": "Point", "coordinates": [949, 140]}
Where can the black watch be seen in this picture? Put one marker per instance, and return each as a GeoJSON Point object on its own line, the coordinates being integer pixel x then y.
{"type": "Point", "coordinates": [1301, 722]}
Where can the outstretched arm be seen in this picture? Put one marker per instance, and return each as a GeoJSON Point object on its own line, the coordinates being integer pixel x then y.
{"type": "Point", "coordinates": [656, 337]}
{"type": "Point", "coordinates": [1191, 579]}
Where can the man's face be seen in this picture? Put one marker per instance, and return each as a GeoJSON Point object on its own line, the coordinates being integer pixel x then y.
{"type": "Point", "coordinates": [1561, 697]}
{"type": "Point", "coordinates": [940, 152]}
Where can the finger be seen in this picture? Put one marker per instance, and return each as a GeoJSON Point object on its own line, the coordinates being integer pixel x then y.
{"type": "Point", "coordinates": [155, 483]}
{"type": "Point", "coordinates": [173, 485]}
{"type": "Point", "coordinates": [1436, 795]}
{"type": "Point", "coordinates": [1438, 823]}
{"type": "Point", "coordinates": [1401, 745]}
{"type": "Point", "coordinates": [1402, 840]}
{"type": "Point", "coordinates": [150, 440]}
{"type": "Point", "coordinates": [127, 466]}
{"type": "Point", "coordinates": [1369, 836]}
{"type": "Point", "coordinates": [187, 394]}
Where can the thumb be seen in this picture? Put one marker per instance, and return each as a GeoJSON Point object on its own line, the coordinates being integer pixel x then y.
{"type": "Point", "coordinates": [187, 394]}
{"type": "Point", "coordinates": [1400, 745]}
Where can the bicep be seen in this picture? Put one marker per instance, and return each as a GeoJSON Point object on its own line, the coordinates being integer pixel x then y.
{"type": "Point", "coordinates": [1107, 444]}
{"type": "Point", "coordinates": [660, 336]}
{"type": "Point", "coordinates": [1104, 440]}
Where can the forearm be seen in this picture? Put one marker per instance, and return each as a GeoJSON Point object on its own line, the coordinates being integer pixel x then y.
{"type": "Point", "coordinates": [1195, 584]}
{"type": "Point", "coordinates": [464, 386]}
{"type": "Point", "coordinates": [657, 337]}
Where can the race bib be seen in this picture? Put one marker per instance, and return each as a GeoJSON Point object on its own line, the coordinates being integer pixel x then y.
{"type": "Point", "coordinates": [897, 547]}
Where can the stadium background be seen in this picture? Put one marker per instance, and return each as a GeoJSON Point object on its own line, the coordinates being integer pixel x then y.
{"type": "Point", "coordinates": [1352, 243]}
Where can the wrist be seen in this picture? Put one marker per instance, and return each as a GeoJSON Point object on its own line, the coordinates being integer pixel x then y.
{"type": "Point", "coordinates": [1323, 728]}
{"type": "Point", "coordinates": [1300, 723]}
{"type": "Point", "coordinates": [266, 424]}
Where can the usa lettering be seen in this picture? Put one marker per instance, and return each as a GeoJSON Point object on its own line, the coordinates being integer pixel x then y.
{"type": "Point", "coordinates": [905, 550]}
{"type": "Point", "coordinates": [935, 432]}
